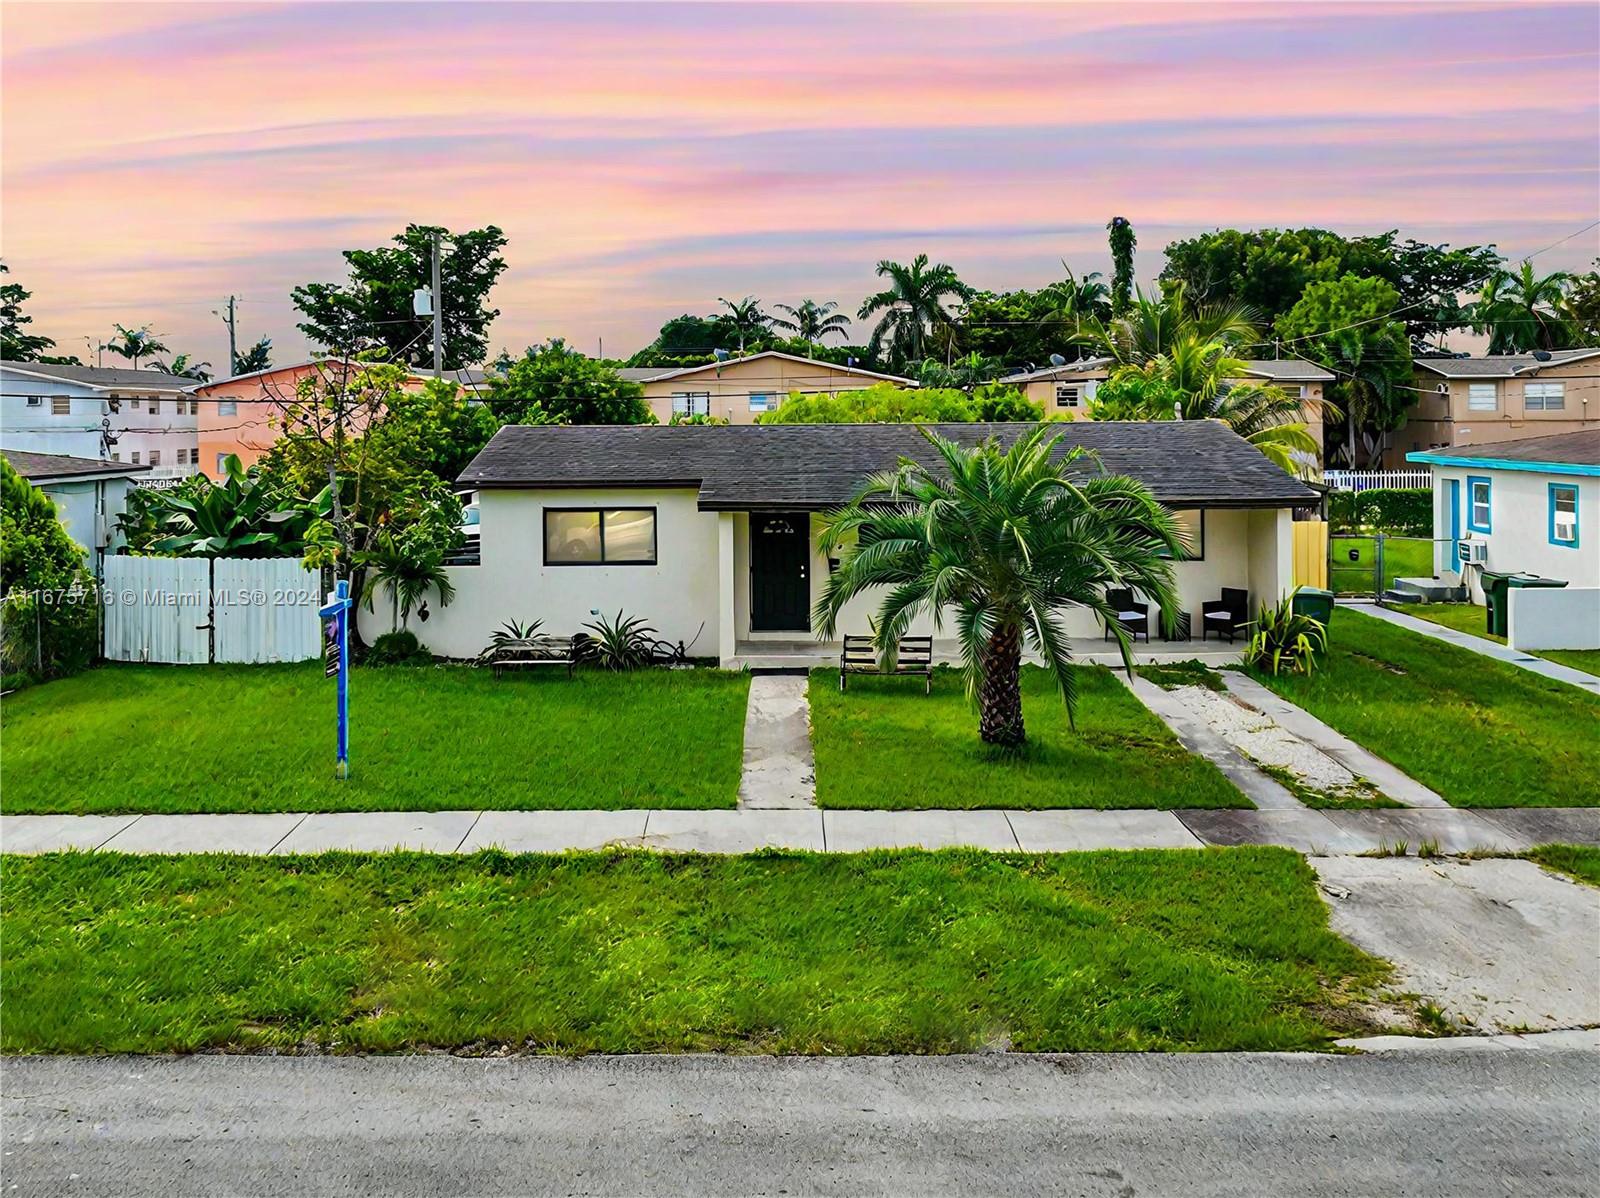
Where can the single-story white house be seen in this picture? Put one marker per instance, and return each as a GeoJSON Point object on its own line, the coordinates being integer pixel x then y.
{"type": "Point", "coordinates": [1530, 506]}
{"type": "Point", "coordinates": [709, 532]}
{"type": "Point", "coordinates": [89, 494]}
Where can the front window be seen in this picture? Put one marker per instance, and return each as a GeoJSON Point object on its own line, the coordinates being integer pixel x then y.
{"type": "Point", "coordinates": [155, 457]}
{"type": "Point", "coordinates": [691, 403]}
{"type": "Point", "coordinates": [600, 536]}
{"type": "Point", "coordinates": [1192, 532]}
{"type": "Point", "coordinates": [227, 407]}
{"type": "Point", "coordinates": [1544, 397]}
{"type": "Point", "coordinates": [155, 407]}
{"type": "Point", "coordinates": [763, 401]}
{"type": "Point", "coordinates": [1482, 397]}
{"type": "Point", "coordinates": [1564, 515]}
{"type": "Point", "coordinates": [1478, 506]}
{"type": "Point", "coordinates": [134, 457]}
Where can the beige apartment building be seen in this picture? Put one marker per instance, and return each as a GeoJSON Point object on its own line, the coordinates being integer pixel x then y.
{"type": "Point", "coordinates": [1503, 397]}
{"type": "Point", "coordinates": [741, 389]}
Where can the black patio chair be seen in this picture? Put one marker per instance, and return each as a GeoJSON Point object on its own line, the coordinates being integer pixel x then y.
{"type": "Point", "coordinates": [1227, 615]}
{"type": "Point", "coordinates": [1132, 615]}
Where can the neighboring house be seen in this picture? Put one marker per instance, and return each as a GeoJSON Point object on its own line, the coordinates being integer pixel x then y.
{"type": "Point", "coordinates": [741, 389]}
{"type": "Point", "coordinates": [1069, 389]}
{"type": "Point", "coordinates": [89, 494]}
{"type": "Point", "coordinates": [141, 417]}
{"type": "Point", "coordinates": [1505, 397]}
{"type": "Point", "coordinates": [1533, 505]}
{"type": "Point", "coordinates": [709, 533]}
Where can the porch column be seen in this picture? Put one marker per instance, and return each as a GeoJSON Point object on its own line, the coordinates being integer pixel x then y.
{"type": "Point", "coordinates": [727, 629]}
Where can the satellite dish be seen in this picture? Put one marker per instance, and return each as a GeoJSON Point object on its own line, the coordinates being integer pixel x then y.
{"type": "Point", "coordinates": [1443, 388]}
{"type": "Point", "coordinates": [720, 355]}
{"type": "Point", "coordinates": [850, 362]}
{"type": "Point", "coordinates": [1057, 360]}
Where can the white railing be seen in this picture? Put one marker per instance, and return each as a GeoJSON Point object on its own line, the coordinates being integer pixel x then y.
{"type": "Point", "coordinates": [1367, 480]}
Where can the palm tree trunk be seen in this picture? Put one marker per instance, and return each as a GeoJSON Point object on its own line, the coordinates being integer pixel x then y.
{"type": "Point", "coordinates": [1000, 695]}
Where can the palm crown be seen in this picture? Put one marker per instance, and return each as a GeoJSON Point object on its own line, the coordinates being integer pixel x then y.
{"type": "Point", "coordinates": [811, 321]}
{"type": "Point", "coordinates": [1003, 539]}
{"type": "Point", "coordinates": [913, 305]}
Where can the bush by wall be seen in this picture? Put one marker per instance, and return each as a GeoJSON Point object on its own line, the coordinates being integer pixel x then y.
{"type": "Point", "coordinates": [1403, 511]}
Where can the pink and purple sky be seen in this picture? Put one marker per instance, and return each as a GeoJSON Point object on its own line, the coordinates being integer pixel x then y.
{"type": "Point", "coordinates": [645, 159]}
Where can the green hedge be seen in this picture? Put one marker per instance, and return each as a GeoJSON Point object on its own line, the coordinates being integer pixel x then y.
{"type": "Point", "coordinates": [1405, 511]}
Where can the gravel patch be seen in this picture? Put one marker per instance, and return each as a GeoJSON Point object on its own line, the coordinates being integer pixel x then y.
{"type": "Point", "coordinates": [1264, 740]}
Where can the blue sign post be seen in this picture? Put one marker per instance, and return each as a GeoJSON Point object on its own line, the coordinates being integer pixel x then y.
{"type": "Point", "coordinates": [336, 657]}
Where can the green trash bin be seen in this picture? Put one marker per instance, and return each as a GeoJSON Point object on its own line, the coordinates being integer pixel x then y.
{"type": "Point", "coordinates": [1495, 588]}
{"type": "Point", "coordinates": [1314, 602]}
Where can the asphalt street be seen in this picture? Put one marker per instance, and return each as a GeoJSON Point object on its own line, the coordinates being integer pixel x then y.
{"type": "Point", "coordinates": [1428, 1122]}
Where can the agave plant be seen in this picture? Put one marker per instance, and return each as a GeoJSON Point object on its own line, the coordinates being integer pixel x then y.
{"type": "Point", "coordinates": [241, 516]}
{"type": "Point", "coordinates": [512, 632]}
{"type": "Point", "coordinates": [1284, 641]}
{"type": "Point", "coordinates": [619, 644]}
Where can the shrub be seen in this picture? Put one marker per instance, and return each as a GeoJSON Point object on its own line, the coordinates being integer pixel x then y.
{"type": "Point", "coordinates": [1402, 511]}
{"type": "Point", "coordinates": [619, 644]}
{"type": "Point", "coordinates": [50, 618]}
{"type": "Point", "coordinates": [396, 649]}
{"type": "Point", "coordinates": [1283, 641]}
{"type": "Point", "coordinates": [510, 633]}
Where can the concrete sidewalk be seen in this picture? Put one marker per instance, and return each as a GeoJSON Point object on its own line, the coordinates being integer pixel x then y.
{"type": "Point", "coordinates": [1480, 645]}
{"type": "Point", "coordinates": [743, 831]}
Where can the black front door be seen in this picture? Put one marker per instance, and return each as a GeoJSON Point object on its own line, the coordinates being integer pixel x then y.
{"type": "Point", "coordinates": [780, 566]}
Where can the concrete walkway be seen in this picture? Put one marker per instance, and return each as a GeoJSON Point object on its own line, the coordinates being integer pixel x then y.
{"type": "Point", "coordinates": [1482, 646]}
{"type": "Point", "coordinates": [779, 771]}
{"type": "Point", "coordinates": [1391, 781]}
{"type": "Point", "coordinates": [730, 831]}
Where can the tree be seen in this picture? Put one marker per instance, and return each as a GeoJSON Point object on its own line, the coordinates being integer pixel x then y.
{"type": "Point", "coordinates": [882, 403]}
{"type": "Point", "coordinates": [16, 344]}
{"type": "Point", "coordinates": [1023, 328]}
{"type": "Point", "coordinates": [373, 309]}
{"type": "Point", "coordinates": [914, 306]}
{"type": "Point", "coordinates": [746, 318]}
{"type": "Point", "coordinates": [688, 340]}
{"type": "Point", "coordinates": [1151, 326]}
{"type": "Point", "coordinates": [966, 372]}
{"type": "Point", "coordinates": [1524, 311]}
{"type": "Point", "coordinates": [1004, 538]}
{"type": "Point", "coordinates": [257, 357]}
{"type": "Point", "coordinates": [409, 563]}
{"type": "Point", "coordinates": [812, 321]}
{"type": "Point", "coordinates": [135, 344]}
{"type": "Point", "coordinates": [1583, 306]}
{"type": "Point", "coordinates": [437, 429]}
{"type": "Point", "coordinates": [49, 619]}
{"type": "Point", "coordinates": [1347, 325]}
{"type": "Point", "coordinates": [554, 384]}
{"type": "Point", "coordinates": [185, 366]}
{"type": "Point", "coordinates": [1123, 243]}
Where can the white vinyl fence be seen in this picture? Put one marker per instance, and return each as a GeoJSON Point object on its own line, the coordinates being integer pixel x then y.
{"type": "Point", "coordinates": [1368, 480]}
{"type": "Point", "coordinates": [190, 611]}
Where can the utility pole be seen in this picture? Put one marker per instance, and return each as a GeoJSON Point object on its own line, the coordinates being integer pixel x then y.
{"type": "Point", "coordinates": [233, 345]}
{"type": "Point", "coordinates": [438, 314]}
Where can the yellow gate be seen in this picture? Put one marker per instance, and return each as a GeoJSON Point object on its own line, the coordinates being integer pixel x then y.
{"type": "Point", "coordinates": [1311, 553]}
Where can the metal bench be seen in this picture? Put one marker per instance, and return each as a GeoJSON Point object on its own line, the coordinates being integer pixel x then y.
{"type": "Point", "coordinates": [537, 651]}
{"type": "Point", "coordinates": [913, 656]}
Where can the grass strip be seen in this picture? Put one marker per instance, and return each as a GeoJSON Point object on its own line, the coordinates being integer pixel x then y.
{"type": "Point", "coordinates": [637, 952]}
{"type": "Point", "coordinates": [1464, 617]}
{"type": "Point", "coordinates": [886, 744]}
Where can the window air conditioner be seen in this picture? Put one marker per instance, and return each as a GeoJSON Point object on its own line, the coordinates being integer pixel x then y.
{"type": "Point", "coordinates": [1472, 551]}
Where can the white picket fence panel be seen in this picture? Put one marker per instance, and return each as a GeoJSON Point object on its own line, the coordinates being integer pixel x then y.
{"type": "Point", "coordinates": [163, 609]}
{"type": "Point", "coordinates": [1368, 480]}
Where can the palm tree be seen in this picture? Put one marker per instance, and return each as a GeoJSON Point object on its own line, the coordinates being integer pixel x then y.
{"type": "Point", "coordinates": [410, 571]}
{"type": "Point", "coordinates": [1005, 539]}
{"type": "Point", "coordinates": [914, 305]}
{"type": "Point", "coordinates": [1273, 421]}
{"type": "Point", "coordinates": [745, 316]}
{"type": "Point", "coordinates": [1153, 325]}
{"type": "Point", "coordinates": [257, 357]}
{"type": "Point", "coordinates": [135, 344]}
{"type": "Point", "coordinates": [1087, 298]}
{"type": "Point", "coordinates": [185, 366]}
{"type": "Point", "coordinates": [812, 321]}
{"type": "Point", "coordinates": [1524, 311]}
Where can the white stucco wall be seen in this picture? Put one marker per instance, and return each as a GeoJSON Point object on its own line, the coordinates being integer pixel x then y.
{"type": "Point", "coordinates": [1519, 535]}
{"type": "Point", "coordinates": [1547, 618]}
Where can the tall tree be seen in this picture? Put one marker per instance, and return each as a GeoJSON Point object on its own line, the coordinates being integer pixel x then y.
{"type": "Point", "coordinates": [746, 317]}
{"type": "Point", "coordinates": [1524, 310]}
{"type": "Point", "coordinates": [1348, 325]}
{"type": "Point", "coordinates": [135, 344]}
{"type": "Point", "coordinates": [42, 570]}
{"type": "Point", "coordinates": [811, 321]}
{"type": "Point", "coordinates": [16, 343]}
{"type": "Point", "coordinates": [1004, 538]}
{"type": "Point", "coordinates": [257, 357]}
{"type": "Point", "coordinates": [915, 305]}
{"type": "Point", "coordinates": [1583, 306]}
{"type": "Point", "coordinates": [186, 366]}
{"type": "Point", "coordinates": [1123, 243]}
{"type": "Point", "coordinates": [373, 308]}
{"type": "Point", "coordinates": [1151, 325]}
{"type": "Point", "coordinates": [556, 384]}
{"type": "Point", "coordinates": [1023, 328]}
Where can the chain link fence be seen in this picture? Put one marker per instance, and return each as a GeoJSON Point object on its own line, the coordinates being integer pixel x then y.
{"type": "Point", "coordinates": [48, 634]}
{"type": "Point", "coordinates": [1366, 566]}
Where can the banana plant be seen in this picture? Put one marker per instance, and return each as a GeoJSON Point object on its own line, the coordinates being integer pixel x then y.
{"type": "Point", "coordinates": [240, 516]}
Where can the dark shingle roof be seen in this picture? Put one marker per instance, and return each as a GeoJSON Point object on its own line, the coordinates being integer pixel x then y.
{"type": "Point", "coordinates": [1499, 366]}
{"type": "Point", "coordinates": [810, 466]}
{"type": "Point", "coordinates": [35, 466]}
{"type": "Point", "coordinates": [1581, 448]}
{"type": "Point", "coordinates": [105, 376]}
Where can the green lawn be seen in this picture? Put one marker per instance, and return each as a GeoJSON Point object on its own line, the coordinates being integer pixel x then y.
{"type": "Point", "coordinates": [886, 744]}
{"type": "Point", "coordinates": [1403, 557]}
{"type": "Point", "coordinates": [1482, 733]}
{"type": "Point", "coordinates": [1464, 617]}
{"type": "Point", "coordinates": [261, 738]}
{"type": "Point", "coordinates": [1581, 861]}
{"type": "Point", "coordinates": [638, 952]}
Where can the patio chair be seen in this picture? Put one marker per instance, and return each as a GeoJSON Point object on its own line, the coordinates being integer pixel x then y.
{"type": "Point", "coordinates": [1225, 616]}
{"type": "Point", "coordinates": [1133, 616]}
{"type": "Point", "coordinates": [914, 656]}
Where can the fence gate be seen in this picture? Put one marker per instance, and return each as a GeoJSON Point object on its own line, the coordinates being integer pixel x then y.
{"type": "Point", "coordinates": [189, 611]}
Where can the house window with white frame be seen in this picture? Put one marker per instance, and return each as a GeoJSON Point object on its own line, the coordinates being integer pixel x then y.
{"type": "Point", "coordinates": [134, 457]}
{"type": "Point", "coordinates": [691, 403]}
{"type": "Point", "coordinates": [1564, 515]}
{"type": "Point", "coordinates": [763, 401]}
{"type": "Point", "coordinates": [227, 407]}
{"type": "Point", "coordinates": [1480, 509]}
{"type": "Point", "coordinates": [155, 457]}
{"type": "Point", "coordinates": [1544, 397]}
{"type": "Point", "coordinates": [155, 407]}
{"type": "Point", "coordinates": [222, 463]}
{"type": "Point", "coordinates": [1483, 397]}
